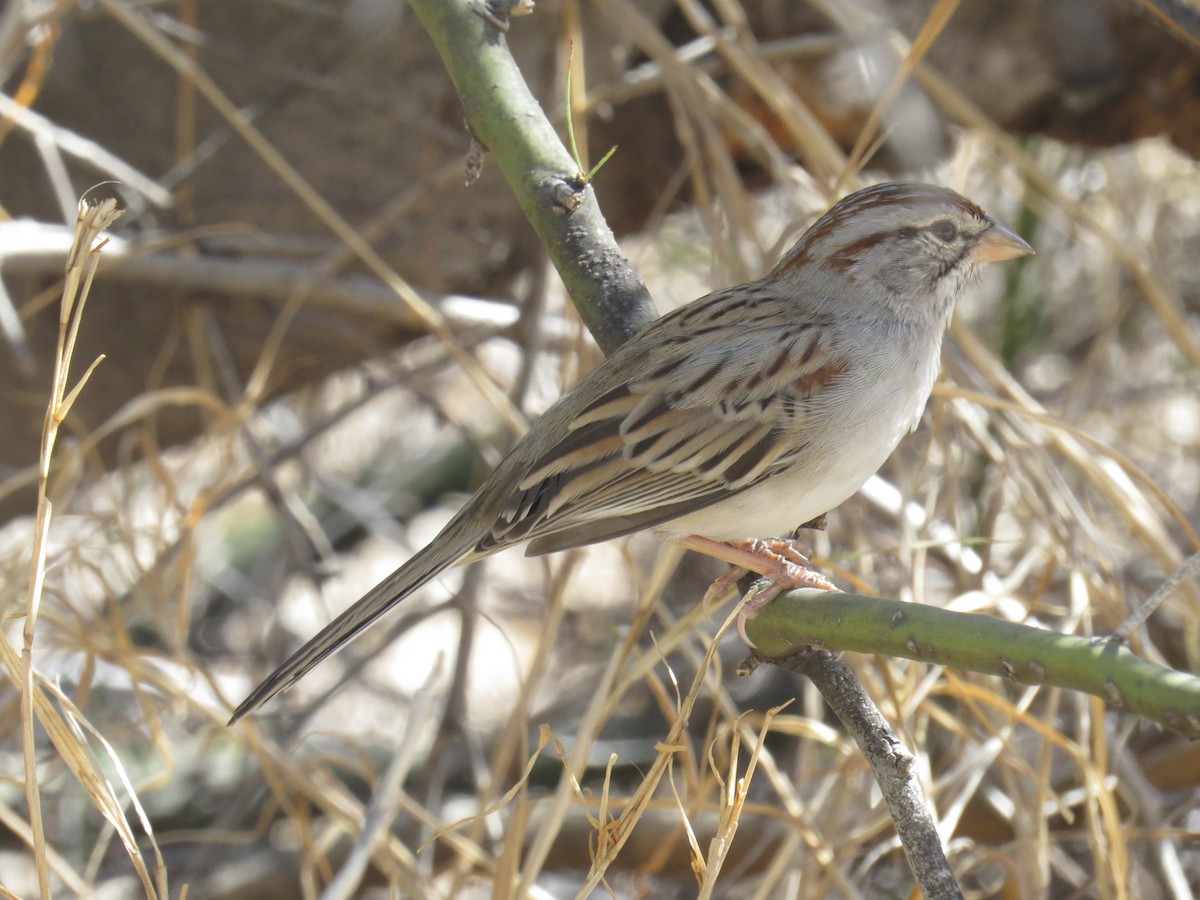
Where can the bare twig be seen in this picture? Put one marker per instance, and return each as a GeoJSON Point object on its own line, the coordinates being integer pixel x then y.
{"type": "Point", "coordinates": [891, 763]}
{"type": "Point", "coordinates": [34, 248]}
{"type": "Point", "coordinates": [1180, 17]}
{"type": "Point", "coordinates": [387, 798]}
{"type": "Point", "coordinates": [1190, 567]}
{"type": "Point", "coordinates": [87, 151]}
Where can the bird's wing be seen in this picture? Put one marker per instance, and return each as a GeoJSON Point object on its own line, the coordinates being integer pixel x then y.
{"type": "Point", "coordinates": [714, 415]}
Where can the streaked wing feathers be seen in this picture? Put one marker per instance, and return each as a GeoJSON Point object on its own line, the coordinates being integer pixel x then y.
{"type": "Point", "coordinates": [704, 423]}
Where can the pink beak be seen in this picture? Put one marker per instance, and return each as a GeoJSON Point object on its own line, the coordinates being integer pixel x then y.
{"type": "Point", "coordinates": [1000, 243]}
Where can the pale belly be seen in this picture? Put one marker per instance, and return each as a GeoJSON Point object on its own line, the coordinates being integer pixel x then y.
{"type": "Point", "coordinates": [780, 505]}
{"type": "Point", "coordinates": [871, 424]}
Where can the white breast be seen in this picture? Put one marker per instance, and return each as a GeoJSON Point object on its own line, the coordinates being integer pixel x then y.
{"type": "Point", "coordinates": [862, 425]}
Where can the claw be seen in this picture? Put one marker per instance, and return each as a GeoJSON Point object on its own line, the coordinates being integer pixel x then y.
{"type": "Point", "coordinates": [717, 589]}
{"type": "Point", "coordinates": [782, 562]}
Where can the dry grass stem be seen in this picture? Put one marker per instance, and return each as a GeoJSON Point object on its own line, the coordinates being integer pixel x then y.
{"type": "Point", "coordinates": [572, 725]}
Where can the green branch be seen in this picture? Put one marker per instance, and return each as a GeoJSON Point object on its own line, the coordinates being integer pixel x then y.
{"type": "Point", "coordinates": [1104, 668]}
{"type": "Point", "coordinates": [506, 119]}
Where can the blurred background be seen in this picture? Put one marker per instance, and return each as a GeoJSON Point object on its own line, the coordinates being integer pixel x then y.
{"type": "Point", "coordinates": [274, 429]}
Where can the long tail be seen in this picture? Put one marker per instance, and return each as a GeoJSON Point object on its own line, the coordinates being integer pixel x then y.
{"type": "Point", "coordinates": [454, 542]}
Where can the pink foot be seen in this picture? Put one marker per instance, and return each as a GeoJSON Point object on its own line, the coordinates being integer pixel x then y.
{"type": "Point", "coordinates": [780, 560]}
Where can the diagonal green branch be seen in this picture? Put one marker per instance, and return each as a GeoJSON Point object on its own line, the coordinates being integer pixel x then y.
{"type": "Point", "coordinates": [1104, 668]}
{"type": "Point", "coordinates": [505, 117]}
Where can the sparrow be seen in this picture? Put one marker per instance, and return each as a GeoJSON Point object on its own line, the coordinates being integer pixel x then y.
{"type": "Point", "coordinates": [741, 415]}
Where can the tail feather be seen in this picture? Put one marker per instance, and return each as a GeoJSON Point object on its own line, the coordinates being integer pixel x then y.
{"type": "Point", "coordinates": [441, 553]}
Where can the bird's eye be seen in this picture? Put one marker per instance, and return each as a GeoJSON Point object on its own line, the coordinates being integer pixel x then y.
{"type": "Point", "coordinates": [944, 230]}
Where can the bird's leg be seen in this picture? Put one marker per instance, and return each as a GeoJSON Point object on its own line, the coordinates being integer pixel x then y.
{"type": "Point", "coordinates": [781, 560]}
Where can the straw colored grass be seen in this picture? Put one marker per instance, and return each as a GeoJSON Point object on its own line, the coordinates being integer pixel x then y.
{"type": "Point", "coordinates": [570, 726]}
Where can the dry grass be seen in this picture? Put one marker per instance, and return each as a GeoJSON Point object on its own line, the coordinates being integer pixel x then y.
{"type": "Point", "coordinates": [595, 736]}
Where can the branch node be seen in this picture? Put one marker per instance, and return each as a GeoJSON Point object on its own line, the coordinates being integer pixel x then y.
{"type": "Point", "coordinates": [748, 665]}
{"type": "Point", "coordinates": [500, 12]}
{"type": "Point", "coordinates": [1115, 697]}
{"type": "Point", "coordinates": [473, 166]}
{"type": "Point", "coordinates": [566, 195]}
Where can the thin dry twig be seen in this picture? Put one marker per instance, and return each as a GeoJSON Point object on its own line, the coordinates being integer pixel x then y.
{"type": "Point", "coordinates": [892, 764]}
{"type": "Point", "coordinates": [85, 150]}
{"type": "Point", "coordinates": [1137, 618]}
